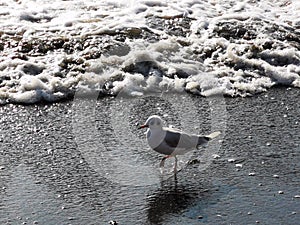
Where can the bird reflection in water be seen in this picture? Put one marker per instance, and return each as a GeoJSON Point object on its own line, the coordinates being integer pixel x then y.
{"type": "Point", "coordinates": [173, 198]}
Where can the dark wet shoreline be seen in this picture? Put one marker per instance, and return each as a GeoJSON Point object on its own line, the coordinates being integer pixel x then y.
{"type": "Point", "coordinates": [255, 179]}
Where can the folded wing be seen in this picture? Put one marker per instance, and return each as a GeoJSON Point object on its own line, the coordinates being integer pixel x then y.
{"type": "Point", "coordinates": [177, 139]}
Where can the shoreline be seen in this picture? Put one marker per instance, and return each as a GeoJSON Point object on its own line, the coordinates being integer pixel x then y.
{"type": "Point", "coordinates": [254, 178]}
{"type": "Point", "coordinates": [104, 96]}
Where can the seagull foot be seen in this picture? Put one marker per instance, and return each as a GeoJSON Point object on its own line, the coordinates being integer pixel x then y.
{"type": "Point", "coordinates": [162, 162]}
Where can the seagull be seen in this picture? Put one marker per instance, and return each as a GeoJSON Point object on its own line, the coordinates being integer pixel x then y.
{"type": "Point", "coordinates": [172, 142]}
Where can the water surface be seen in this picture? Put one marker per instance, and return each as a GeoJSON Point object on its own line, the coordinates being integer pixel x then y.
{"type": "Point", "coordinates": [48, 176]}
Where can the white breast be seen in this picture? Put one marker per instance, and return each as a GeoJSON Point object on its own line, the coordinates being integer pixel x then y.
{"type": "Point", "coordinates": [155, 137]}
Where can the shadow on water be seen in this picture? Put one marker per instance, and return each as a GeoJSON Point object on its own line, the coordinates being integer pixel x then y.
{"type": "Point", "coordinates": [175, 196]}
{"type": "Point", "coordinates": [171, 198]}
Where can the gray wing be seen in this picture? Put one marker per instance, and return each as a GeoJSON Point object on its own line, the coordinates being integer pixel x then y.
{"type": "Point", "coordinates": [183, 140]}
{"type": "Point", "coordinates": [172, 138]}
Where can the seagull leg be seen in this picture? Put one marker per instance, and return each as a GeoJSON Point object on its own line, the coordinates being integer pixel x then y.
{"type": "Point", "coordinates": [162, 162]}
{"type": "Point", "coordinates": [175, 165]}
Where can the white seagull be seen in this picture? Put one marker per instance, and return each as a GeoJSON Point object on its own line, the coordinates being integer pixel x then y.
{"type": "Point", "coordinates": [172, 142]}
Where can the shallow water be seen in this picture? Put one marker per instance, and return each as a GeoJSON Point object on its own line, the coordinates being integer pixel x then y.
{"type": "Point", "coordinates": [84, 162]}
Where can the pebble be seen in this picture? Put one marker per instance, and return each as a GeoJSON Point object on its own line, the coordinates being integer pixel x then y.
{"type": "Point", "coordinates": [215, 156]}
{"type": "Point", "coordinates": [35, 222]}
{"type": "Point", "coordinates": [239, 165]}
{"type": "Point", "coordinates": [249, 213]}
{"type": "Point", "coordinates": [280, 192]}
{"type": "Point", "coordinates": [231, 160]}
{"type": "Point", "coordinates": [297, 196]}
{"type": "Point", "coordinates": [276, 176]}
{"type": "Point", "coordinates": [49, 151]}
{"type": "Point", "coordinates": [200, 217]}
{"type": "Point", "coordinates": [252, 174]}
{"type": "Point", "coordinates": [193, 161]}
{"type": "Point", "coordinates": [268, 144]}
{"type": "Point", "coordinates": [2, 167]}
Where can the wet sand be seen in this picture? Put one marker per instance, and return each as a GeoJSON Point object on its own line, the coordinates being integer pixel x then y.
{"type": "Point", "coordinates": [47, 177]}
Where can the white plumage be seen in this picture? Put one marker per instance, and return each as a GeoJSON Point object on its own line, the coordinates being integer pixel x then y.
{"type": "Point", "coordinates": [172, 142]}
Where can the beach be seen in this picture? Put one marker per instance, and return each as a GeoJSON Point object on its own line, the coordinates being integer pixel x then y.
{"type": "Point", "coordinates": [77, 79]}
{"type": "Point", "coordinates": [47, 177]}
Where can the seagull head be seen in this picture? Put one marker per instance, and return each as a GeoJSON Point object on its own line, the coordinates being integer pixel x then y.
{"type": "Point", "coordinates": [153, 122]}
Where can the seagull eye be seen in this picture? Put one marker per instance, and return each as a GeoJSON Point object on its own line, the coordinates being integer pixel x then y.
{"type": "Point", "coordinates": [152, 123]}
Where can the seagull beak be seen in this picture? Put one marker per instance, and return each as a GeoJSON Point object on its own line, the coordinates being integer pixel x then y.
{"type": "Point", "coordinates": [143, 126]}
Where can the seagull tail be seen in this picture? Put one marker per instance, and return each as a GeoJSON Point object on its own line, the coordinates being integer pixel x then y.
{"type": "Point", "coordinates": [204, 139]}
{"type": "Point", "coordinates": [213, 135]}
